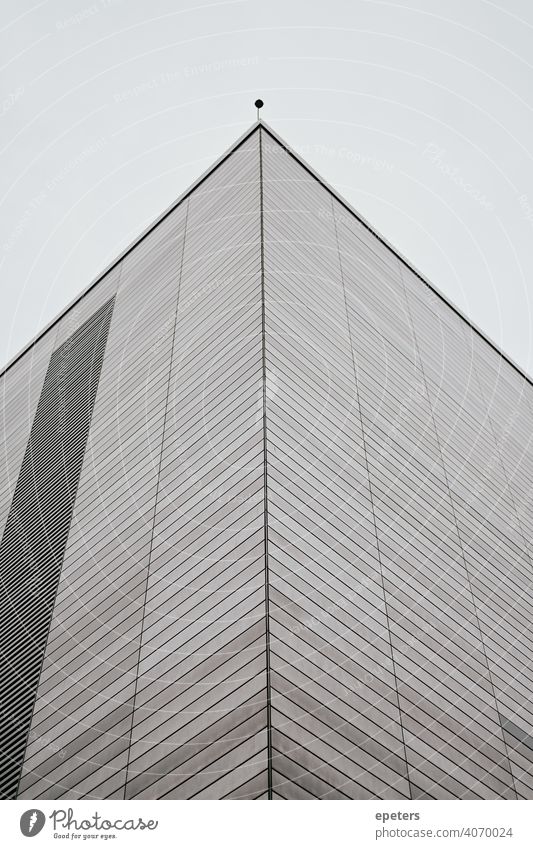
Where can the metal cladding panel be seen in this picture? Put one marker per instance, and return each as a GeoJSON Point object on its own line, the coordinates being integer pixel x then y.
{"type": "Point", "coordinates": [454, 741]}
{"type": "Point", "coordinates": [85, 699]}
{"type": "Point", "coordinates": [336, 730]}
{"type": "Point", "coordinates": [20, 388]}
{"type": "Point", "coordinates": [199, 725]}
{"type": "Point", "coordinates": [482, 411]}
{"type": "Point", "coordinates": [446, 517]}
{"type": "Point", "coordinates": [37, 527]}
{"type": "Point", "coordinates": [300, 558]}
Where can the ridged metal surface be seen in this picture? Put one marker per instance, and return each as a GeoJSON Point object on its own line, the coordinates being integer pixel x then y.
{"type": "Point", "coordinates": [300, 560]}
{"type": "Point", "coordinates": [88, 681]}
{"type": "Point", "coordinates": [154, 679]}
{"type": "Point", "coordinates": [199, 725]}
{"type": "Point", "coordinates": [37, 527]}
{"type": "Point", "coordinates": [336, 729]}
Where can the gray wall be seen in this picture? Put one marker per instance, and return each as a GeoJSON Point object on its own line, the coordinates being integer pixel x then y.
{"type": "Point", "coordinates": [395, 512]}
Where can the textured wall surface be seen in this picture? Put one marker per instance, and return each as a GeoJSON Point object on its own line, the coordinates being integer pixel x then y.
{"type": "Point", "coordinates": [299, 564]}
{"type": "Point", "coordinates": [37, 528]}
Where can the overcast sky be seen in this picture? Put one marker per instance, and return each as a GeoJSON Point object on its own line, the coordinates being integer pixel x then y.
{"type": "Point", "coordinates": [419, 112]}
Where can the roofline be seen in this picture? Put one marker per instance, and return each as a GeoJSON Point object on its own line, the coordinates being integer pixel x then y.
{"type": "Point", "coordinates": [330, 189]}
{"type": "Point", "coordinates": [395, 251]}
{"type": "Point", "coordinates": [132, 245]}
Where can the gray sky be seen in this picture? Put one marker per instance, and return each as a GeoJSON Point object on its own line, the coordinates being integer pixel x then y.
{"type": "Point", "coordinates": [419, 112]}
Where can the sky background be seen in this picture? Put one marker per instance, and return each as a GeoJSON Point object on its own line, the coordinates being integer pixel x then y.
{"type": "Point", "coordinates": [418, 112]}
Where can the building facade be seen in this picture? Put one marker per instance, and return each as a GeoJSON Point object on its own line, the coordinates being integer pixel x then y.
{"type": "Point", "coordinates": [266, 519]}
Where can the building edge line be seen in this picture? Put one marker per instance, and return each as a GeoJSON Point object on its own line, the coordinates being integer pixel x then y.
{"type": "Point", "coordinates": [130, 247]}
{"type": "Point", "coordinates": [265, 475]}
{"type": "Point", "coordinates": [522, 372]}
{"type": "Point", "coordinates": [508, 359]}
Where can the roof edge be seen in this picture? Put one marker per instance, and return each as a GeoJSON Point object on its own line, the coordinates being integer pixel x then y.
{"type": "Point", "coordinates": [255, 126]}
{"type": "Point", "coordinates": [396, 252]}
{"type": "Point", "coordinates": [138, 239]}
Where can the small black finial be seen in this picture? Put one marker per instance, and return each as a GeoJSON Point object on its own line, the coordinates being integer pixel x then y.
{"type": "Point", "coordinates": [258, 104]}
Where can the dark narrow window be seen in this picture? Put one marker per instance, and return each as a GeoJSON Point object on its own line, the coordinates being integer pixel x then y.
{"type": "Point", "coordinates": [35, 536]}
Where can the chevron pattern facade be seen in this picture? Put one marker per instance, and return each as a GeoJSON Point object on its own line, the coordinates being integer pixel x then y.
{"type": "Point", "coordinates": [299, 561]}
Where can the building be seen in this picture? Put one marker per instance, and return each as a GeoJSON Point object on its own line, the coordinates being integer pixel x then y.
{"type": "Point", "coordinates": [266, 513]}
